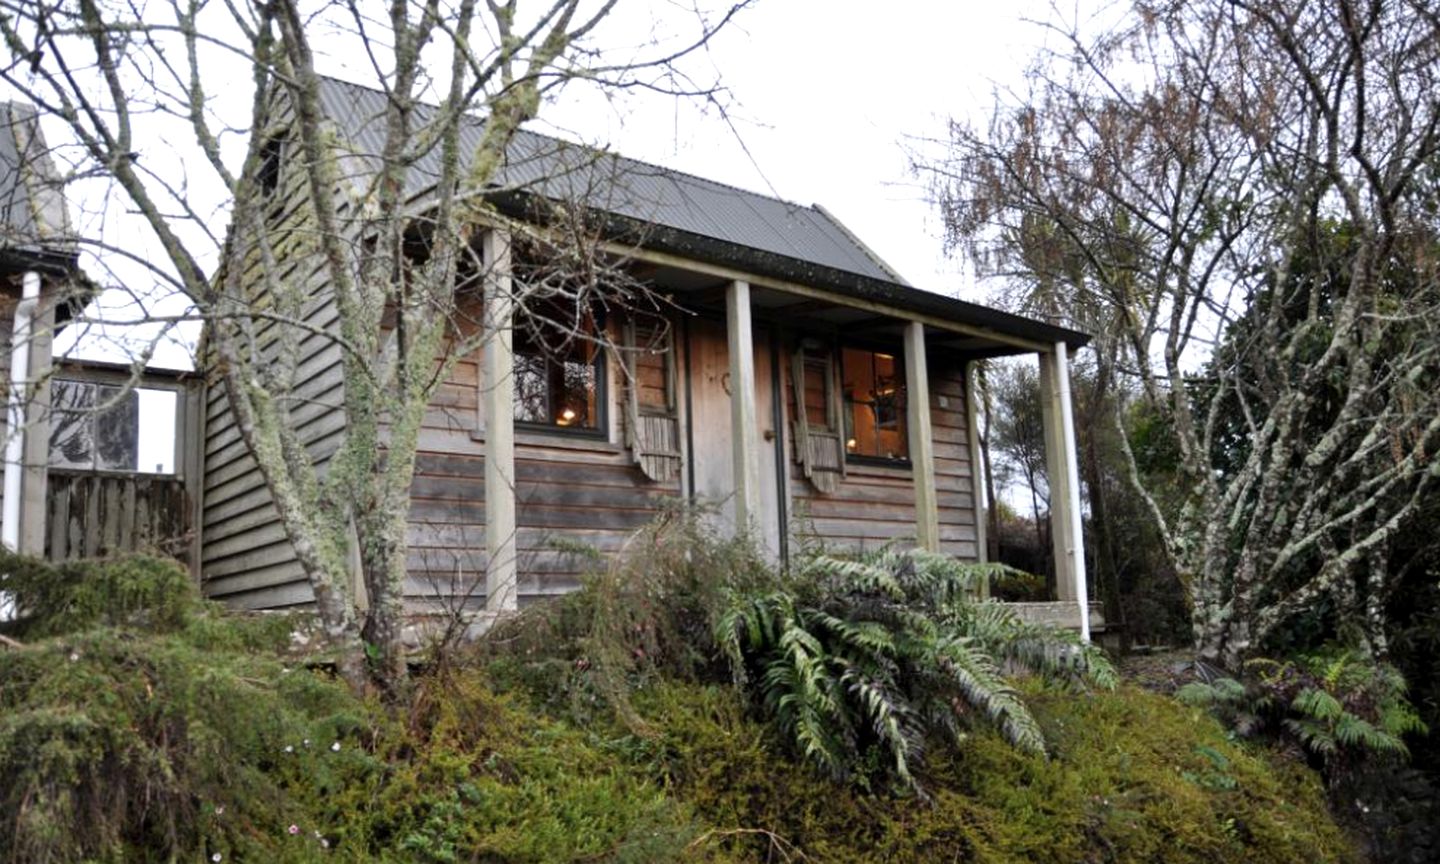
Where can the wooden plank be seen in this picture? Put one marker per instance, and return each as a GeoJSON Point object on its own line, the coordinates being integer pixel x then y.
{"type": "Point", "coordinates": [256, 579]}
{"type": "Point", "coordinates": [132, 532]}
{"type": "Point", "coordinates": [264, 535]}
{"type": "Point", "coordinates": [57, 518]}
{"type": "Point", "coordinates": [977, 482]}
{"type": "Point", "coordinates": [264, 556]}
{"type": "Point", "coordinates": [1057, 478]}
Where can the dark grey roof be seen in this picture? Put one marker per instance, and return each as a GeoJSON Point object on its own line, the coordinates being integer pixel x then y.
{"type": "Point", "coordinates": [626, 187]}
{"type": "Point", "coordinates": [671, 210]}
{"type": "Point", "coordinates": [33, 220]}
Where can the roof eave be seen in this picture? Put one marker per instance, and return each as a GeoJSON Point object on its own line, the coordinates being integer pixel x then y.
{"type": "Point", "coordinates": [762, 263]}
{"type": "Point", "coordinates": [42, 259]}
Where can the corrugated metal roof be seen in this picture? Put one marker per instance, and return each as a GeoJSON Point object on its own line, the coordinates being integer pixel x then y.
{"type": "Point", "coordinates": [566, 171]}
{"type": "Point", "coordinates": [32, 204]}
{"type": "Point", "coordinates": [684, 213]}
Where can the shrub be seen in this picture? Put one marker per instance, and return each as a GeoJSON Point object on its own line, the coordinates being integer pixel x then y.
{"type": "Point", "coordinates": [196, 734]}
{"type": "Point", "coordinates": [1335, 706]}
{"type": "Point", "coordinates": [1131, 776]}
{"type": "Point", "coordinates": [66, 597]}
{"type": "Point", "coordinates": [861, 660]}
{"type": "Point", "coordinates": [858, 660]}
{"type": "Point", "coordinates": [122, 744]}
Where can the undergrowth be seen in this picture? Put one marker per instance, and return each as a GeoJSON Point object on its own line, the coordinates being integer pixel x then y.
{"type": "Point", "coordinates": [1337, 705]}
{"type": "Point", "coordinates": [194, 735]}
{"type": "Point", "coordinates": [604, 727]}
{"type": "Point", "coordinates": [1132, 776]}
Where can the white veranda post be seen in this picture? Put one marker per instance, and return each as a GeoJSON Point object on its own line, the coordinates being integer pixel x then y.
{"type": "Point", "coordinates": [498, 365]}
{"type": "Point", "coordinates": [744, 432]}
{"type": "Point", "coordinates": [1063, 473]}
{"type": "Point", "coordinates": [922, 443]}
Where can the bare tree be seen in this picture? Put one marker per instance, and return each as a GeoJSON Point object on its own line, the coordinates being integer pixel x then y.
{"type": "Point", "coordinates": [114, 71]}
{"type": "Point", "coordinates": [1017, 438]}
{"type": "Point", "coordinates": [1237, 197]}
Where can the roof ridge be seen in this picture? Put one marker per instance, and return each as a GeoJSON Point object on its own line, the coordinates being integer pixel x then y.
{"type": "Point", "coordinates": [864, 247]}
{"type": "Point", "coordinates": [710, 181]}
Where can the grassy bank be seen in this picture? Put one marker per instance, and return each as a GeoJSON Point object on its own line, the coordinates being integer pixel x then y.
{"type": "Point", "coordinates": [131, 735]}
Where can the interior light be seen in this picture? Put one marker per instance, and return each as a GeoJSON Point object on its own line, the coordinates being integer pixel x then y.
{"type": "Point", "coordinates": [567, 416]}
{"type": "Point", "coordinates": [851, 444]}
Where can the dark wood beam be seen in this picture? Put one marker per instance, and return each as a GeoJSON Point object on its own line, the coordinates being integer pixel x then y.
{"type": "Point", "coordinates": [870, 324]}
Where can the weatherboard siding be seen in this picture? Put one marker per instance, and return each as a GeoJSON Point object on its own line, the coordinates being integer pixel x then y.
{"type": "Point", "coordinates": [571, 492]}
{"type": "Point", "coordinates": [874, 504]}
{"type": "Point", "coordinates": [246, 558]}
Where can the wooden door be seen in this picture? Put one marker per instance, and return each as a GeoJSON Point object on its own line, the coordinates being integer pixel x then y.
{"type": "Point", "coordinates": [710, 388]}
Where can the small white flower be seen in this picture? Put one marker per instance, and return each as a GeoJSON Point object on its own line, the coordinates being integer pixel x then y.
{"type": "Point", "coordinates": [306, 742]}
{"type": "Point", "coordinates": [216, 857]}
{"type": "Point", "coordinates": [335, 748]}
{"type": "Point", "coordinates": [74, 657]}
{"type": "Point", "coordinates": [324, 844]}
{"type": "Point", "coordinates": [289, 748]}
{"type": "Point", "coordinates": [219, 809]}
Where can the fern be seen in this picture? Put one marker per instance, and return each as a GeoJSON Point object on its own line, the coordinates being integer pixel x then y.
{"type": "Point", "coordinates": [1337, 706]}
{"type": "Point", "coordinates": [867, 656]}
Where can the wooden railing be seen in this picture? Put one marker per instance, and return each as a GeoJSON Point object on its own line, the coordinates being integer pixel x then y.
{"type": "Point", "coordinates": [95, 514]}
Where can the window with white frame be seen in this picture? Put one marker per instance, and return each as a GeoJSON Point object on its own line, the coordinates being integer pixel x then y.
{"type": "Point", "coordinates": [108, 427]}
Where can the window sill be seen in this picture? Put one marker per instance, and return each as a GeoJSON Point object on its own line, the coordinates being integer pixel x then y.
{"type": "Point", "coordinates": [559, 440]}
{"type": "Point", "coordinates": [72, 471]}
{"type": "Point", "coordinates": [874, 463]}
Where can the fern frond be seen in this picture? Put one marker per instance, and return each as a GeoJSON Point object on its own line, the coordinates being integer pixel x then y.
{"type": "Point", "coordinates": [1317, 704]}
{"type": "Point", "coordinates": [982, 687]}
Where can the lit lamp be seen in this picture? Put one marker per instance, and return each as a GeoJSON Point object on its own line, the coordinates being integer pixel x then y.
{"type": "Point", "coordinates": [566, 417]}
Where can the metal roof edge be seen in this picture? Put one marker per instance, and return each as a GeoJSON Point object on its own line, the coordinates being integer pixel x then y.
{"type": "Point", "coordinates": [710, 250]}
{"type": "Point", "coordinates": [863, 246]}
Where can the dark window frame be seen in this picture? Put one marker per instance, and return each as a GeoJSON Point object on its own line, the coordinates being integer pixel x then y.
{"type": "Point", "coordinates": [601, 430]}
{"type": "Point", "coordinates": [847, 405]}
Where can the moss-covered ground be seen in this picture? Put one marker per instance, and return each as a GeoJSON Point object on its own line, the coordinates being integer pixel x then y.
{"type": "Point", "coordinates": [198, 736]}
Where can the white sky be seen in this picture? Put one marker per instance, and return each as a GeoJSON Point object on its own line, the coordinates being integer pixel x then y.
{"type": "Point", "coordinates": [824, 99]}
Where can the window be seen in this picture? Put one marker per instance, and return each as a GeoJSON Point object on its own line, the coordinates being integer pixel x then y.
{"type": "Point", "coordinates": [102, 427]}
{"type": "Point", "coordinates": [817, 426]}
{"type": "Point", "coordinates": [268, 175]}
{"type": "Point", "coordinates": [652, 421]}
{"type": "Point", "coordinates": [559, 369]}
{"type": "Point", "coordinates": [874, 392]}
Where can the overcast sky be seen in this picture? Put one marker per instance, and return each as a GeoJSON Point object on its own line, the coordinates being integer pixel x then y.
{"type": "Point", "coordinates": [825, 100]}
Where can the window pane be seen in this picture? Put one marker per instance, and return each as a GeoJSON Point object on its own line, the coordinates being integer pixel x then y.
{"type": "Point", "coordinates": [72, 424]}
{"type": "Point", "coordinates": [71, 395]}
{"type": "Point", "coordinates": [156, 450]}
{"type": "Point", "coordinates": [653, 350]}
{"type": "Point", "coordinates": [653, 389]}
{"type": "Point", "coordinates": [575, 395]}
{"type": "Point", "coordinates": [70, 440]}
{"type": "Point", "coordinates": [556, 371]}
{"type": "Point", "coordinates": [117, 429]}
{"type": "Point", "coordinates": [875, 405]}
{"type": "Point", "coordinates": [530, 387]}
{"type": "Point", "coordinates": [815, 413]}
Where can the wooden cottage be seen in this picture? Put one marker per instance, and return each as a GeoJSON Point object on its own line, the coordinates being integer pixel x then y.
{"type": "Point", "coordinates": [797, 383]}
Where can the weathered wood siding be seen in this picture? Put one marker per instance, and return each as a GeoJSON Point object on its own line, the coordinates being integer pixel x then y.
{"type": "Point", "coordinates": [571, 491]}
{"type": "Point", "coordinates": [874, 503]}
{"type": "Point", "coordinates": [580, 491]}
{"type": "Point", "coordinates": [246, 559]}
{"type": "Point", "coordinates": [93, 515]}
{"type": "Point", "coordinates": [8, 301]}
